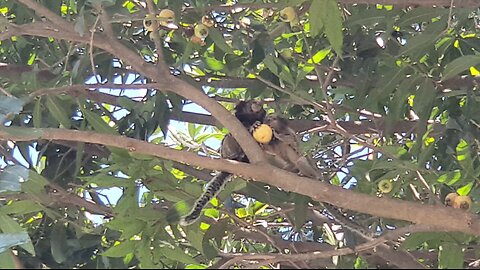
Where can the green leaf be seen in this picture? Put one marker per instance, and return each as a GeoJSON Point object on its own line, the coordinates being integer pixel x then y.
{"type": "Point", "coordinates": [80, 26]}
{"type": "Point", "coordinates": [270, 64]}
{"type": "Point", "coordinates": [419, 15]}
{"type": "Point", "coordinates": [465, 190]}
{"type": "Point", "coordinates": [196, 266]}
{"type": "Point", "coordinates": [10, 105]}
{"type": "Point", "coordinates": [122, 249]}
{"type": "Point", "coordinates": [129, 226]}
{"type": "Point", "coordinates": [219, 40]}
{"type": "Point", "coordinates": [176, 254]}
{"type": "Point", "coordinates": [459, 65]}
{"type": "Point", "coordinates": [286, 3]}
{"type": "Point", "coordinates": [464, 157]}
{"type": "Point", "coordinates": [319, 56]}
{"type": "Point", "coordinates": [332, 21]}
{"type": "Point", "coordinates": [452, 177]}
{"type": "Point", "coordinates": [450, 256]}
{"type": "Point", "coordinates": [214, 64]}
{"type": "Point", "coordinates": [8, 225]}
{"type": "Point", "coordinates": [217, 231]}
{"type": "Point", "coordinates": [12, 177]}
{"type": "Point", "coordinates": [58, 243]}
{"type": "Point", "coordinates": [22, 207]}
{"type": "Point", "coordinates": [127, 103]}
{"type": "Point", "coordinates": [102, 180]}
{"type": "Point", "coordinates": [7, 259]}
{"type": "Point", "coordinates": [187, 52]}
{"type": "Point", "coordinates": [301, 204]}
{"type": "Point", "coordinates": [97, 122]}
{"type": "Point", "coordinates": [417, 239]}
{"type": "Point", "coordinates": [37, 114]}
{"type": "Point", "coordinates": [23, 132]}
{"type": "Point", "coordinates": [54, 106]}
{"type": "Point", "coordinates": [315, 17]}
{"type": "Point", "coordinates": [418, 44]}
{"type": "Point", "coordinates": [8, 240]}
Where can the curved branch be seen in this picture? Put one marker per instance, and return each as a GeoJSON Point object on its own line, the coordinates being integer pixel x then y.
{"type": "Point", "coordinates": [445, 218]}
{"type": "Point", "coordinates": [299, 125]}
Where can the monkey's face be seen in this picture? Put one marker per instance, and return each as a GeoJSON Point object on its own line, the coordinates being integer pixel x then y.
{"type": "Point", "coordinates": [248, 112]}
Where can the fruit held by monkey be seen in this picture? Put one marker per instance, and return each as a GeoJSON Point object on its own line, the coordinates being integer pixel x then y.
{"type": "Point", "coordinates": [263, 134]}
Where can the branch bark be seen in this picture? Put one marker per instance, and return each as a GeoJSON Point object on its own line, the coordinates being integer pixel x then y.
{"type": "Point", "coordinates": [446, 218]}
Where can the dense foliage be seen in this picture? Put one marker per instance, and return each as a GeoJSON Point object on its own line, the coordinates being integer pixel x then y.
{"type": "Point", "coordinates": [113, 112]}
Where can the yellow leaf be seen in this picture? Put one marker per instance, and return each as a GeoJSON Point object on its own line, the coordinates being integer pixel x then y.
{"type": "Point", "coordinates": [474, 71]}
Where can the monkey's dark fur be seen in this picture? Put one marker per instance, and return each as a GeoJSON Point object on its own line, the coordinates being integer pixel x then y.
{"type": "Point", "coordinates": [282, 151]}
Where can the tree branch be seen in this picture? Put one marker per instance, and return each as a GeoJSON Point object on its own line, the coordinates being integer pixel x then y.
{"type": "Point", "coordinates": [446, 218]}
{"type": "Point", "coordinates": [274, 258]}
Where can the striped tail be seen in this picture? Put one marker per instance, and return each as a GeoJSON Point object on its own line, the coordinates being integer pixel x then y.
{"type": "Point", "coordinates": [212, 189]}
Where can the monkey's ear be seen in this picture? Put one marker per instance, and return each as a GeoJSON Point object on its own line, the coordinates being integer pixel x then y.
{"type": "Point", "coordinates": [240, 104]}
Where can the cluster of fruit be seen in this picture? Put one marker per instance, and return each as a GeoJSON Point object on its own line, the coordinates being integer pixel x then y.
{"type": "Point", "coordinates": [456, 201]}
{"type": "Point", "coordinates": [166, 18]}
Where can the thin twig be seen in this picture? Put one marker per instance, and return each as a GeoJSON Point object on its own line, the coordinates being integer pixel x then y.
{"type": "Point", "coordinates": [273, 258]}
{"type": "Point", "coordinates": [430, 192]}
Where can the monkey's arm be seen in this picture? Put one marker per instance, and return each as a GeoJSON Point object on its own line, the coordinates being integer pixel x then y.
{"type": "Point", "coordinates": [284, 148]}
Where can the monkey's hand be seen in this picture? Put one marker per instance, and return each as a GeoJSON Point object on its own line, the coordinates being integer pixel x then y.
{"type": "Point", "coordinates": [262, 133]}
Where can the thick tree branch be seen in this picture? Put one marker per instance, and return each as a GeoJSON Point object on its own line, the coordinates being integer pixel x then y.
{"type": "Point", "coordinates": [446, 218]}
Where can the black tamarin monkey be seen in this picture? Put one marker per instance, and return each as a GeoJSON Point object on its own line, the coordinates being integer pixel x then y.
{"type": "Point", "coordinates": [282, 151]}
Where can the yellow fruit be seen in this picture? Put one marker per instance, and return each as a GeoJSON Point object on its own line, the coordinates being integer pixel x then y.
{"type": "Point", "coordinates": [263, 134]}
{"type": "Point", "coordinates": [148, 22]}
{"type": "Point", "coordinates": [462, 202]}
{"type": "Point", "coordinates": [201, 31]}
{"type": "Point", "coordinates": [166, 17]}
{"type": "Point", "coordinates": [450, 198]}
{"type": "Point", "coordinates": [207, 21]}
{"type": "Point", "coordinates": [385, 186]}
{"type": "Point", "coordinates": [288, 14]}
